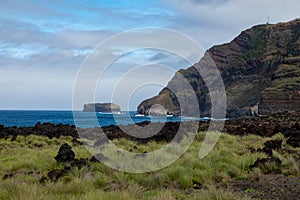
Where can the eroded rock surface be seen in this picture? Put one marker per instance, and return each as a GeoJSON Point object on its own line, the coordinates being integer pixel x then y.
{"type": "Point", "coordinates": [260, 69]}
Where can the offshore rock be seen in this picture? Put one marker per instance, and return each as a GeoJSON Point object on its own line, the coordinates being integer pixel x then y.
{"type": "Point", "coordinates": [101, 107]}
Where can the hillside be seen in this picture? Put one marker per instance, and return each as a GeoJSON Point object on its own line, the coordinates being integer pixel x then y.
{"type": "Point", "coordinates": [260, 67]}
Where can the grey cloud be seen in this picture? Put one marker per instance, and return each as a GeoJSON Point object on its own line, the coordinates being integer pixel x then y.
{"type": "Point", "coordinates": [24, 88]}
{"type": "Point", "coordinates": [36, 9]}
{"type": "Point", "coordinates": [208, 2]}
{"type": "Point", "coordinates": [221, 21]}
{"type": "Point", "coordinates": [158, 56]}
{"type": "Point", "coordinates": [209, 22]}
{"type": "Point", "coordinates": [22, 32]}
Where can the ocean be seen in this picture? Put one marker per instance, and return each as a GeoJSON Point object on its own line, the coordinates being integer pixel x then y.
{"type": "Point", "coordinates": [22, 118]}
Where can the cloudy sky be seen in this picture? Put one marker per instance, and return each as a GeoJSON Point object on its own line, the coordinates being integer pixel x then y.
{"type": "Point", "coordinates": [44, 43]}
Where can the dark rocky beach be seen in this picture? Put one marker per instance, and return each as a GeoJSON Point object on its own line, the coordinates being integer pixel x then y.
{"type": "Point", "coordinates": [274, 184]}
{"type": "Point", "coordinates": [286, 123]}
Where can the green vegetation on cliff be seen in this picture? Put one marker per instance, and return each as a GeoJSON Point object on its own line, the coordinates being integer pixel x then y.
{"type": "Point", "coordinates": [259, 59]}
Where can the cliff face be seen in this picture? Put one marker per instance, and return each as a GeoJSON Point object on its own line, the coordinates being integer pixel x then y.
{"type": "Point", "coordinates": [101, 107]}
{"type": "Point", "coordinates": [260, 66]}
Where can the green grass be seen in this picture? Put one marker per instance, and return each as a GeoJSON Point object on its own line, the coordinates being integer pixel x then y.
{"type": "Point", "coordinates": [30, 158]}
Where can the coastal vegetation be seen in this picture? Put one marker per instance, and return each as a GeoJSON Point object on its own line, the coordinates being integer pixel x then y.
{"type": "Point", "coordinates": [25, 160]}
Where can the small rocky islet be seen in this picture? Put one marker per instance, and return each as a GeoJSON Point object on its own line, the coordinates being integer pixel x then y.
{"type": "Point", "coordinates": [101, 107]}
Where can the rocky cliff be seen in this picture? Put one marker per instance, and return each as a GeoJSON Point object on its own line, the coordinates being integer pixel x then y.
{"type": "Point", "coordinates": [101, 107]}
{"type": "Point", "coordinates": [260, 67]}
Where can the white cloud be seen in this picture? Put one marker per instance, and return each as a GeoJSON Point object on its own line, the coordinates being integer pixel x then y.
{"type": "Point", "coordinates": [214, 22]}
{"type": "Point", "coordinates": [44, 43]}
{"type": "Point", "coordinates": [23, 88]}
{"type": "Point", "coordinates": [23, 51]}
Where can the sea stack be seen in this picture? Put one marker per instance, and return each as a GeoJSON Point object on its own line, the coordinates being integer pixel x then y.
{"type": "Point", "coordinates": [101, 107]}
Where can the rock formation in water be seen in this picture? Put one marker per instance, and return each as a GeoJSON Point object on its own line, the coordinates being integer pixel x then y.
{"type": "Point", "coordinates": [260, 69]}
{"type": "Point", "coordinates": [101, 107]}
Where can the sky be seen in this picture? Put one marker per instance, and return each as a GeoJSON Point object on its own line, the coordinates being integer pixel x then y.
{"type": "Point", "coordinates": [43, 44]}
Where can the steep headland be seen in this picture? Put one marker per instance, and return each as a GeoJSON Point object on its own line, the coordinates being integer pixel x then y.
{"type": "Point", "coordinates": [260, 69]}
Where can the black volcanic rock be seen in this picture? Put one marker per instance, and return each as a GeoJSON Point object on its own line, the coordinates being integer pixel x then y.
{"type": "Point", "coordinates": [65, 154]}
{"type": "Point", "coordinates": [265, 126]}
{"type": "Point", "coordinates": [273, 144]}
{"type": "Point", "coordinates": [42, 129]}
{"type": "Point", "coordinates": [260, 69]}
{"type": "Point", "coordinates": [82, 162]}
{"type": "Point", "coordinates": [99, 158]}
{"type": "Point", "coordinates": [263, 162]}
{"type": "Point", "coordinates": [55, 174]}
{"type": "Point", "coordinates": [101, 107]}
{"type": "Point", "coordinates": [293, 135]}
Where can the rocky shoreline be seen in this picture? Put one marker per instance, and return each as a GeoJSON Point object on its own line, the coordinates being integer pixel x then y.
{"type": "Point", "coordinates": [270, 183]}
{"type": "Point", "coordinates": [286, 123]}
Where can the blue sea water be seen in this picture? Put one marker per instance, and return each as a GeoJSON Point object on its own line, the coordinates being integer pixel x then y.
{"type": "Point", "coordinates": [83, 119]}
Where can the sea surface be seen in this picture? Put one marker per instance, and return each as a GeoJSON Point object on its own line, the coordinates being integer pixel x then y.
{"type": "Point", "coordinates": [21, 118]}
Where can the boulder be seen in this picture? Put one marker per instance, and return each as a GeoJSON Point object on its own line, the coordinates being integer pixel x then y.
{"type": "Point", "coordinates": [293, 135]}
{"type": "Point", "coordinates": [99, 158]}
{"type": "Point", "coordinates": [273, 144]}
{"type": "Point", "coordinates": [65, 154]}
{"type": "Point", "coordinates": [82, 162]}
{"type": "Point", "coordinates": [263, 163]}
{"type": "Point", "coordinates": [55, 174]}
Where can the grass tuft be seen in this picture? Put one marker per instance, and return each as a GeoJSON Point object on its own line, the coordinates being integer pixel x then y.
{"type": "Point", "coordinates": [29, 158]}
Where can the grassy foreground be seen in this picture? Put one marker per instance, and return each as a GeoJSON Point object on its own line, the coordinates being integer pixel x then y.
{"type": "Point", "coordinates": [29, 158]}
